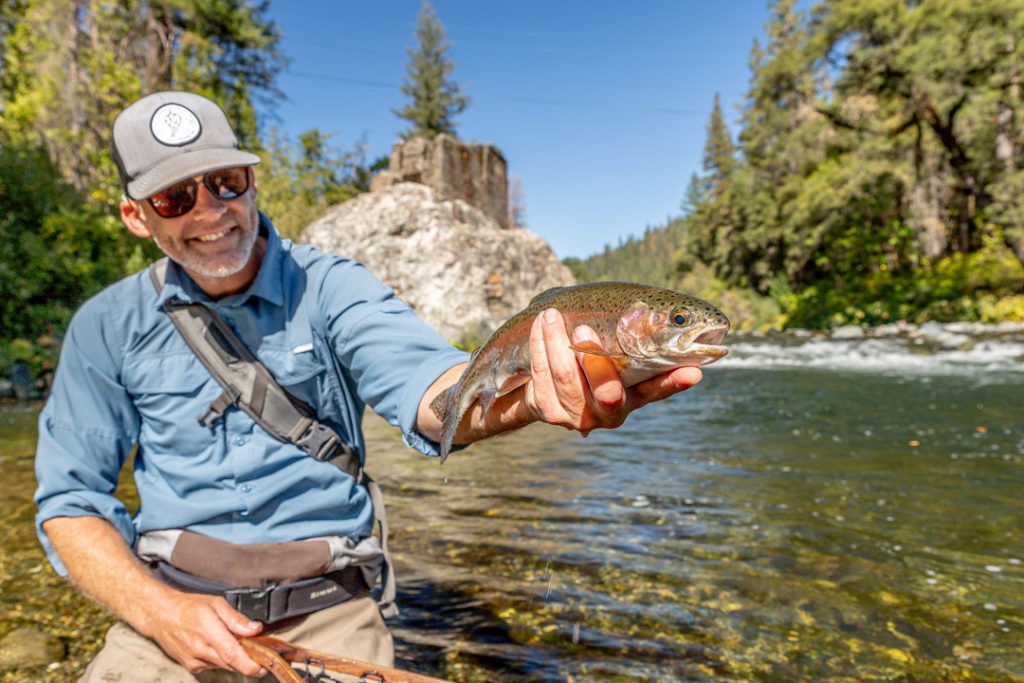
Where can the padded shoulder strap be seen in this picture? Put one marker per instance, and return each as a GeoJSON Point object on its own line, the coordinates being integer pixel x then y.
{"type": "Point", "coordinates": [248, 384]}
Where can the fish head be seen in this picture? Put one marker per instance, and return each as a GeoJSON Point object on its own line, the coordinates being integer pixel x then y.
{"type": "Point", "coordinates": [676, 329]}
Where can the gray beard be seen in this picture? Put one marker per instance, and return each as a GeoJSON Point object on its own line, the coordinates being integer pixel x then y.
{"type": "Point", "coordinates": [197, 264]}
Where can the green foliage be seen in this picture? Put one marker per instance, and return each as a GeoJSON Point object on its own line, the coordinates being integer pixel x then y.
{"type": "Point", "coordinates": [436, 99]}
{"type": "Point", "coordinates": [719, 154]}
{"type": "Point", "coordinates": [68, 67]}
{"type": "Point", "coordinates": [299, 180]}
{"type": "Point", "coordinates": [56, 248]}
{"type": "Point", "coordinates": [71, 65]}
{"type": "Point", "coordinates": [879, 155]}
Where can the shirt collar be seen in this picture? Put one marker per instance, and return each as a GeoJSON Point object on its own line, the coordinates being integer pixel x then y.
{"type": "Point", "coordinates": [268, 285]}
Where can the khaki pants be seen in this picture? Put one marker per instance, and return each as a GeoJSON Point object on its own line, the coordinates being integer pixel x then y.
{"type": "Point", "coordinates": [352, 629]}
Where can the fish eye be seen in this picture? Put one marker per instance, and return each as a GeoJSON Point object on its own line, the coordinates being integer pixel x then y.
{"type": "Point", "coordinates": [680, 319]}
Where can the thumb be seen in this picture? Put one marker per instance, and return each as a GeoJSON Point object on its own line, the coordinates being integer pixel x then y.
{"type": "Point", "coordinates": [236, 622]}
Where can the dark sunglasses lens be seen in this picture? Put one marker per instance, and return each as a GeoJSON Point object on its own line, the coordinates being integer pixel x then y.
{"type": "Point", "coordinates": [228, 183]}
{"type": "Point", "coordinates": [176, 200]}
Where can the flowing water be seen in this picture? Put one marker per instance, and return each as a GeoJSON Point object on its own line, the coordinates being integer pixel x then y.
{"type": "Point", "coordinates": [814, 510]}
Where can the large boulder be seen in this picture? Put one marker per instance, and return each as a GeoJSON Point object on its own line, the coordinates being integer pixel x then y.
{"type": "Point", "coordinates": [452, 263]}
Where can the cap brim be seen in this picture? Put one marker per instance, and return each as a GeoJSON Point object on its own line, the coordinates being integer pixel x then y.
{"type": "Point", "coordinates": [187, 165]}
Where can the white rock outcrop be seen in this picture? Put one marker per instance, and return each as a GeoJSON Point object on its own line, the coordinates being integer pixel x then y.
{"type": "Point", "coordinates": [454, 265]}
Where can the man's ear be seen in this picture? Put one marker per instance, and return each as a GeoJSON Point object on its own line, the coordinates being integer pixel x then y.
{"type": "Point", "coordinates": [134, 219]}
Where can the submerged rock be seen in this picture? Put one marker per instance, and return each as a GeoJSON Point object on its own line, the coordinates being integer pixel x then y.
{"type": "Point", "coordinates": [26, 647]}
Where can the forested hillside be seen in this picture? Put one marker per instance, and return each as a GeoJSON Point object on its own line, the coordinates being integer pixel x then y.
{"type": "Point", "coordinates": [876, 173]}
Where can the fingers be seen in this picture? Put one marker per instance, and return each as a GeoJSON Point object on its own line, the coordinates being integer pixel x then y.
{"type": "Point", "coordinates": [235, 621]}
{"type": "Point", "coordinates": [602, 375]}
{"type": "Point", "coordinates": [664, 386]}
{"type": "Point", "coordinates": [204, 635]}
{"type": "Point", "coordinates": [557, 386]}
{"type": "Point", "coordinates": [584, 391]}
{"type": "Point", "coordinates": [580, 391]}
{"type": "Point", "coordinates": [229, 650]}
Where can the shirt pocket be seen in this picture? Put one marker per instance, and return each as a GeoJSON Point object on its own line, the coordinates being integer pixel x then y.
{"type": "Point", "coordinates": [171, 392]}
{"type": "Point", "coordinates": [297, 367]}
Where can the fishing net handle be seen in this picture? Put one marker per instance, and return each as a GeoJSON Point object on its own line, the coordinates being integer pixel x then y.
{"type": "Point", "coordinates": [277, 656]}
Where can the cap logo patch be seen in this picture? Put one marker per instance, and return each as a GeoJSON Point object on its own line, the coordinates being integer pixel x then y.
{"type": "Point", "coordinates": [175, 125]}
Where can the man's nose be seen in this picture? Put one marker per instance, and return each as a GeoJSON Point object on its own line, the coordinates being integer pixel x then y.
{"type": "Point", "coordinates": [207, 200]}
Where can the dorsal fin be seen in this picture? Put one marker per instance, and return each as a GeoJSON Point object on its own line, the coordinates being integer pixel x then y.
{"type": "Point", "coordinates": [546, 294]}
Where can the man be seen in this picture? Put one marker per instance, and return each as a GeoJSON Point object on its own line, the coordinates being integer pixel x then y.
{"type": "Point", "coordinates": [225, 497]}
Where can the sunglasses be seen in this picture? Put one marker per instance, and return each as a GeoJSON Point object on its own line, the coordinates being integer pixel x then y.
{"type": "Point", "coordinates": [180, 198]}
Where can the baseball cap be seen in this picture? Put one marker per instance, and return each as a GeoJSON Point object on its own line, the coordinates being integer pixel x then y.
{"type": "Point", "coordinates": [167, 137]}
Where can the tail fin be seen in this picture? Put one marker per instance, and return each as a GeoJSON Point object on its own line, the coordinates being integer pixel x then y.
{"type": "Point", "coordinates": [445, 409]}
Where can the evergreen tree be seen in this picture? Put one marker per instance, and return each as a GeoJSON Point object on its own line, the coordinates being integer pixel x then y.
{"type": "Point", "coordinates": [719, 153]}
{"type": "Point", "coordinates": [694, 196]}
{"type": "Point", "coordinates": [435, 99]}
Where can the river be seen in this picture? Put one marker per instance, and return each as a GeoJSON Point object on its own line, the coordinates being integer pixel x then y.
{"type": "Point", "coordinates": [814, 510]}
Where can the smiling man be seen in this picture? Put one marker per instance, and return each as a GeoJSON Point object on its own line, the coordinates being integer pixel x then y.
{"type": "Point", "coordinates": [240, 532]}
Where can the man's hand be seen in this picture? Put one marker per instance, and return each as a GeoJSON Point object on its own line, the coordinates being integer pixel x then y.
{"type": "Point", "coordinates": [583, 391]}
{"type": "Point", "coordinates": [203, 634]}
{"type": "Point", "coordinates": [198, 631]}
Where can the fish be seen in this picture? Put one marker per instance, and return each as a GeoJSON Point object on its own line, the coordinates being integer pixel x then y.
{"type": "Point", "coordinates": [645, 330]}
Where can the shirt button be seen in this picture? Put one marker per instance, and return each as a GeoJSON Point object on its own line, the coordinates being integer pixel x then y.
{"type": "Point", "coordinates": [245, 488]}
{"type": "Point", "coordinates": [239, 440]}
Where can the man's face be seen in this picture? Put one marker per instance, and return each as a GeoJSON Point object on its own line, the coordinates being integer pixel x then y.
{"type": "Point", "coordinates": [214, 241]}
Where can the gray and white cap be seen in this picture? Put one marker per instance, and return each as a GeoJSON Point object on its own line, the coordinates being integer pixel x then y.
{"type": "Point", "coordinates": [167, 137]}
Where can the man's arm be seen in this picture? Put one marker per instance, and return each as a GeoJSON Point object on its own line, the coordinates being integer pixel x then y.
{"type": "Point", "coordinates": [198, 631]}
{"type": "Point", "coordinates": [575, 390]}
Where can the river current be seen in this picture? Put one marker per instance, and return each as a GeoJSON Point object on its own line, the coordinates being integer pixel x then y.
{"type": "Point", "coordinates": [814, 510]}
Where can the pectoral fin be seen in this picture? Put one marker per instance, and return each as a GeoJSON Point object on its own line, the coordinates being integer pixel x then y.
{"type": "Point", "coordinates": [513, 382]}
{"type": "Point", "coordinates": [592, 347]}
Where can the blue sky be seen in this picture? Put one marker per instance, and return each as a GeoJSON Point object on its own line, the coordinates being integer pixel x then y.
{"type": "Point", "coordinates": [600, 107]}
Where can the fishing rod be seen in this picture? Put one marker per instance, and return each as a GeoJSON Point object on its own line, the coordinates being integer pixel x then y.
{"type": "Point", "coordinates": [277, 656]}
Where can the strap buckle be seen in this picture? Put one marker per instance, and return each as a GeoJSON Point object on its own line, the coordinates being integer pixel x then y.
{"type": "Point", "coordinates": [321, 442]}
{"type": "Point", "coordinates": [252, 602]}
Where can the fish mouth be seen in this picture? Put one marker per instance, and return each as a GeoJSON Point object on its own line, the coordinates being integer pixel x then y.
{"type": "Point", "coordinates": [707, 346]}
{"type": "Point", "coordinates": [712, 337]}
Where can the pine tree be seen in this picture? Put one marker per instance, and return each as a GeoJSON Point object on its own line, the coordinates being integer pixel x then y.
{"type": "Point", "coordinates": [719, 153]}
{"type": "Point", "coordinates": [436, 99]}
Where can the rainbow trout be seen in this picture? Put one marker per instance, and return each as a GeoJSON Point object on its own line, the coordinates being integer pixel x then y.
{"type": "Point", "coordinates": [645, 330]}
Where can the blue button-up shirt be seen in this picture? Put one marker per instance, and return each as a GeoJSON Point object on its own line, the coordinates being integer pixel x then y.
{"type": "Point", "coordinates": [326, 328]}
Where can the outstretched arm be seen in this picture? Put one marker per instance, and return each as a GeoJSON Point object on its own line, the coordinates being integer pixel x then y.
{"type": "Point", "coordinates": [578, 391]}
{"type": "Point", "coordinates": [198, 631]}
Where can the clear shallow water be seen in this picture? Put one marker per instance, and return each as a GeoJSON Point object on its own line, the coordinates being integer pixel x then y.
{"type": "Point", "coordinates": [799, 515]}
{"type": "Point", "coordinates": [813, 510]}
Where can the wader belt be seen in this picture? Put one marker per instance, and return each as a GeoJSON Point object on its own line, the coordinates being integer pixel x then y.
{"type": "Point", "coordinates": [276, 601]}
{"type": "Point", "coordinates": [248, 384]}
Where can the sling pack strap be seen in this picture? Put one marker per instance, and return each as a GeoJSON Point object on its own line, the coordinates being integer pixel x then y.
{"type": "Point", "coordinates": [248, 384]}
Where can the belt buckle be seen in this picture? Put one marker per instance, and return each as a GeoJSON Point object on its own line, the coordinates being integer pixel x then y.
{"type": "Point", "coordinates": [252, 602]}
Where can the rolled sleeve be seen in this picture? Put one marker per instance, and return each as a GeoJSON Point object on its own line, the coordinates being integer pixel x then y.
{"type": "Point", "coordinates": [86, 434]}
{"type": "Point", "coordinates": [393, 356]}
